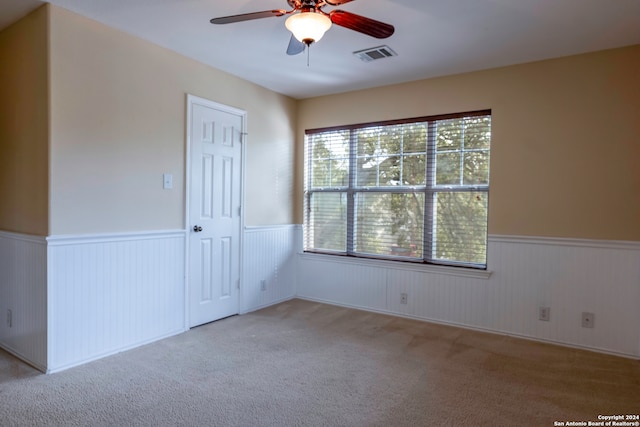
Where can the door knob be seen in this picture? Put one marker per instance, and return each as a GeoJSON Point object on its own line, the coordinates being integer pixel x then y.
{"type": "Point", "coordinates": [197, 228]}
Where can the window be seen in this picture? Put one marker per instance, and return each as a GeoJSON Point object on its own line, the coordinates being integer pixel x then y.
{"type": "Point", "coordinates": [409, 190]}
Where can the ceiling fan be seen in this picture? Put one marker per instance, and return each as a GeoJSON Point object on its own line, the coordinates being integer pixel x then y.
{"type": "Point", "coordinates": [308, 22]}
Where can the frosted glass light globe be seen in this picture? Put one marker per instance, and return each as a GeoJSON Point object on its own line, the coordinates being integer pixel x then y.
{"type": "Point", "coordinates": [308, 27]}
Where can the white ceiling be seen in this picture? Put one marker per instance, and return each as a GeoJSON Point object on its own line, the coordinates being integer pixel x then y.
{"type": "Point", "coordinates": [432, 37]}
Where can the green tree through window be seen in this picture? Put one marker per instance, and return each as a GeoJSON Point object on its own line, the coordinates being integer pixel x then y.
{"type": "Point", "coordinates": [412, 190]}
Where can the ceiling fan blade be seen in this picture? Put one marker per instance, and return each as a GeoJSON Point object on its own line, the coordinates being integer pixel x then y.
{"type": "Point", "coordinates": [336, 2]}
{"type": "Point", "coordinates": [295, 46]}
{"type": "Point", "coordinates": [363, 25]}
{"type": "Point", "coordinates": [248, 16]}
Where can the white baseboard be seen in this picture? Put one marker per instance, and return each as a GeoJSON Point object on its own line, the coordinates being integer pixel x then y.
{"type": "Point", "coordinates": [25, 358]}
{"type": "Point", "coordinates": [473, 328]}
{"type": "Point", "coordinates": [112, 352]}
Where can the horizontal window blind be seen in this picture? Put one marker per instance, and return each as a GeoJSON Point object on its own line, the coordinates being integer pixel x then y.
{"type": "Point", "coordinates": [412, 190]}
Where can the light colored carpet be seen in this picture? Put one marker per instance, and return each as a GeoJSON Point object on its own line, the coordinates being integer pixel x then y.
{"type": "Point", "coordinates": [301, 363]}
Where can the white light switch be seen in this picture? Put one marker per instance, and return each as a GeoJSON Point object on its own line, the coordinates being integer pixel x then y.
{"type": "Point", "coordinates": [167, 181]}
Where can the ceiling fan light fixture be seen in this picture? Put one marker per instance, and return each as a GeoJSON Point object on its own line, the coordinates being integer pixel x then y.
{"type": "Point", "coordinates": [308, 27]}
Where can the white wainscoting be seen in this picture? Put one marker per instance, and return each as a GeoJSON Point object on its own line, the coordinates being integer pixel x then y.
{"type": "Point", "coordinates": [23, 290]}
{"type": "Point", "coordinates": [270, 254]}
{"type": "Point", "coordinates": [570, 276]}
{"type": "Point", "coordinates": [109, 293]}
{"type": "Point", "coordinates": [76, 299]}
{"type": "Point", "coordinates": [79, 298]}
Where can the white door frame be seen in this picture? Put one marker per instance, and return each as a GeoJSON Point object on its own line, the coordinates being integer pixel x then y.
{"type": "Point", "coordinates": [191, 101]}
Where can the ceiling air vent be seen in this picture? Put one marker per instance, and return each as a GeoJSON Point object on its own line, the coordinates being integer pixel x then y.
{"type": "Point", "coordinates": [368, 55]}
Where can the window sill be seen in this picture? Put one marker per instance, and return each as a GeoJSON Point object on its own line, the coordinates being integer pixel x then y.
{"type": "Point", "coordinates": [398, 265]}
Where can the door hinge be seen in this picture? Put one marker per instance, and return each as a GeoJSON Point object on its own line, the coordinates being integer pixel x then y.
{"type": "Point", "coordinates": [238, 283]}
{"type": "Point", "coordinates": [239, 210]}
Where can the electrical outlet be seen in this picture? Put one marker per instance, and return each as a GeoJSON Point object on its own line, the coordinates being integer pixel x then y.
{"type": "Point", "coordinates": [263, 285]}
{"type": "Point", "coordinates": [403, 298]}
{"type": "Point", "coordinates": [9, 318]}
{"type": "Point", "coordinates": [588, 319]}
{"type": "Point", "coordinates": [545, 314]}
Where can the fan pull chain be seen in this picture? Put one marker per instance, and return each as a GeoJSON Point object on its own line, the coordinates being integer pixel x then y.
{"type": "Point", "coordinates": [308, 50]}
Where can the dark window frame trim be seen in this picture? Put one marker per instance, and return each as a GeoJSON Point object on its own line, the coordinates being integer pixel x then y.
{"type": "Point", "coordinates": [400, 121]}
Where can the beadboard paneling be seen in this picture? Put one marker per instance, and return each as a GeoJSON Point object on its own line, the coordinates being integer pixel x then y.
{"type": "Point", "coordinates": [108, 293]}
{"type": "Point", "coordinates": [90, 296]}
{"type": "Point", "coordinates": [269, 255]}
{"type": "Point", "coordinates": [346, 283]}
{"type": "Point", "coordinates": [571, 276]}
{"type": "Point", "coordinates": [23, 290]}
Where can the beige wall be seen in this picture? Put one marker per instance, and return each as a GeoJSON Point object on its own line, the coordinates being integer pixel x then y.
{"type": "Point", "coordinates": [565, 159]}
{"type": "Point", "coordinates": [24, 126]}
{"type": "Point", "coordinates": [118, 111]}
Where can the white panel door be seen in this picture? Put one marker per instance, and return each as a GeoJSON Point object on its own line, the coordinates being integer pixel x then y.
{"type": "Point", "coordinates": [214, 211]}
